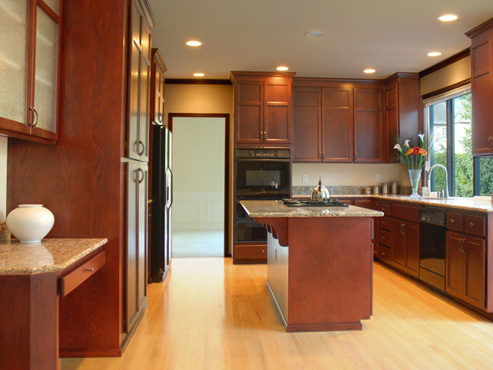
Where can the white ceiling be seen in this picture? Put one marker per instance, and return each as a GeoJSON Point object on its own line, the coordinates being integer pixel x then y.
{"type": "Point", "coordinates": [258, 35]}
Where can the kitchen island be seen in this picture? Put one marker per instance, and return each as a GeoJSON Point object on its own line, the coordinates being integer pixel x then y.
{"type": "Point", "coordinates": [32, 279]}
{"type": "Point", "coordinates": [319, 264]}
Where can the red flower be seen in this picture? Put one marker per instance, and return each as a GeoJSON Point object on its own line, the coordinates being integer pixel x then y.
{"type": "Point", "coordinates": [416, 150]}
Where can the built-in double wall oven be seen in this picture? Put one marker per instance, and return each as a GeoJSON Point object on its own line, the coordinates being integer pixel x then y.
{"type": "Point", "coordinates": [260, 174]}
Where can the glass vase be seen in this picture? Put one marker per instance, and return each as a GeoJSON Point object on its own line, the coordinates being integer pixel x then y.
{"type": "Point", "coordinates": [414, 176]}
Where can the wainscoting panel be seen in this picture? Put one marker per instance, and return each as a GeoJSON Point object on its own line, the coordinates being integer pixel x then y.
{"type": "Point", "coordinates": [198, 211]}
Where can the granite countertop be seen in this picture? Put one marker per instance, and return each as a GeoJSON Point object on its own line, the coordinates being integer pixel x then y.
{"type": "Point", "coordinates": [51, 255]}
{"type": "Point", "coordinates": [274, 208]}
{"type": "Point", "coordinates": [481, 204]}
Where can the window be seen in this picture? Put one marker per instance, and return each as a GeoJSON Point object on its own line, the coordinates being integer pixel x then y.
{"type": "Point", "coordinates": [450, 123]}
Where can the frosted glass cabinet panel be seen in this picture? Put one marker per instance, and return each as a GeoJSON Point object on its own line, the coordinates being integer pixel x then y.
{"type": "Point", "coordinates": [29, 54]}
{"type": "Point", "coordinates": [13, 59]}
{"type": "Point", "coordinates": [45, 84]}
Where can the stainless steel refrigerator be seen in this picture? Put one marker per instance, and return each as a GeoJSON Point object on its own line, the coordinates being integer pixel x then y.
{"type": "Point", "coordinates": [162, 200]}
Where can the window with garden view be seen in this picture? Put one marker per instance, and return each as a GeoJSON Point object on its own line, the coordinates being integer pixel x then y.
{"type": "Point", "coordinates": [450, 122]}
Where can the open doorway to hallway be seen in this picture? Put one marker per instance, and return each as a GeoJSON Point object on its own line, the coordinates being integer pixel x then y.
{"type": "Point", "coordinates": [199, 212]}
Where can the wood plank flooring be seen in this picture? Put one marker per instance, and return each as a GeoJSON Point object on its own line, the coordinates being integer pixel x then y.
{"type": "Point", "coordinates": [216, 315]}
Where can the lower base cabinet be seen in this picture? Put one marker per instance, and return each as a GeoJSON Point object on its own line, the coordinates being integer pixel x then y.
{"type": "Point", "coordinates": [465, 268]}
{"type": "Point", "coordinates": [405, 246]}
{"type": "Point", "coordinates": [250, 253]}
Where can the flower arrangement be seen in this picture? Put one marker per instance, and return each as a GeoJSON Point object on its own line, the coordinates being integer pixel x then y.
{"type": "Point", "coordinates": [413, 157]}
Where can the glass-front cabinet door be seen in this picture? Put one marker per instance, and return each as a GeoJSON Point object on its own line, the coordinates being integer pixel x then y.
{"type": "Point", "coordinates": [29, 55]}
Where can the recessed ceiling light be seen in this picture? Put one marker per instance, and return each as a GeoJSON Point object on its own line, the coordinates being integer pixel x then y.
{"type": "Point", "coordinates": [199, 74]}
{"type": "Point", "coordinates": [282, 68]}
{"type": "Point", "coordinates": [434, 54]}
{"type": "Point", "coordinates": [448, 17]}
{"type": "Point", "coordinates": [314, 34]}
{"type": "Point", "coordinates": [193, 43]}
{"type": "Point", "coordinates": [369, 70]}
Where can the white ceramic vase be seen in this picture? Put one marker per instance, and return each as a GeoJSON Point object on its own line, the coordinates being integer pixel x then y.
{"type": "Point", "coordinates": [30, 223]}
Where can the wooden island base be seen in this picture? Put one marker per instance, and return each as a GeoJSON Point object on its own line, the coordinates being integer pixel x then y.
{"type": "Point", "coordinates": [320, 271]}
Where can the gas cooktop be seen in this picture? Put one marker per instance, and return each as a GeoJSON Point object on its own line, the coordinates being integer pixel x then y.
{"type": "Point", "coordinates": [332, 202]}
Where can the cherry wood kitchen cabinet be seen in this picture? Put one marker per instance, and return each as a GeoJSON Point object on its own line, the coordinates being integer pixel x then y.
{"type": "Point", "coordinates": [323, 124]}
{"type": "Point", "coordinates": [402, 111]}
{"type": "Point", "coordinates": [262, 108]}
{"type": "Point", "coordinates": [82, 179]}
{"type": "Point", "coordinates": [465, 268]}
{"type": "Point", "coordinates": [368, 124]}
{"type": "Point", "coordinates": [405, 238]}
{"type": "Point", "coordinates": [482, 88]}
{"type": "Point", "coordinates": [139, 73]}
{"type": "Point", "coordinates": [158, 68]}
{"type": "Point", "coordinates": [136, 241]}
{"type": "Point", "coordinates": [29, 88]}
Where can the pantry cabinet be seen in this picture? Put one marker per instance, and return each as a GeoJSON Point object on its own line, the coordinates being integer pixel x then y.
{"type": "Point", "coordinates": [482, 88]}
{"type": "Point", "coordinates": [262, 108]}
{"type": "Point", "coordinates": [89, 180]}
{"type": "Point", "coordinates": [30, 34]}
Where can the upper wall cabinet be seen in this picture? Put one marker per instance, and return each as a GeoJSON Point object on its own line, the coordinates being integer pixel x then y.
{"type": "Point", "coordinates": [402, 107]}
{"type": "Point", "coordinates": [368, 124]}
{"type": "Point", "coordinates": [139, 77]}
{"type": "Point", "coordinates": [262, 108]}
{"type": "Point", "coordinates": [29, 33]}
{"type": "Point", "coordinates": [323, 123]}
{"type": "Point", "coordinates": [482, 88]}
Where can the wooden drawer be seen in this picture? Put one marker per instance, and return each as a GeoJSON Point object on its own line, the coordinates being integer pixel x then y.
{"type": "Point", "coordinates": [384, 207]}
{"type": "Point", "coordinates": [249, 253]}
{"type": "Point", "coordinates": [385, 237]}
{"type": "Point", "coordinates": [385, 223]}
{"type": "Point", "coordinates": [384, 253]}
{"type": "Point", "coordinates": [455, 221]}
{"type": "Point", "coordinates": [474, 224]}
{"type": "Point", "coordinates": [75, 278]}
{"type": "Point", "coordinates": [404, 212]}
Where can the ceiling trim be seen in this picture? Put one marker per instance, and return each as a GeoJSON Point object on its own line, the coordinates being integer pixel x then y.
{"type": "Point", "coordinates": [444, 63]}
{"type": "Point", "coordinates": [191, 81]}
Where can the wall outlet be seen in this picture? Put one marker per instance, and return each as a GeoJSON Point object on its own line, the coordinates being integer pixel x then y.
{"type": "Point", "coordinates": [378, 178]}
{"type": "Point", "coordinates": [305, 178]}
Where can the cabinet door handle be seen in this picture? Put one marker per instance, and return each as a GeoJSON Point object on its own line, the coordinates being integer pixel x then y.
{"type": "Point", "coordinates": [471, 224]}
{"type": "Point", "coordinates": [452, 221]}
{"type": "Point", "coordinates": [461, 245]}
{"type": "Point", "coordinates": [140, 147]}
{"type": "Point", "coordinates": [35, 117]}
{"type": "Point", "coordinates": [160, 117]}
{"type": "Point", "coordinates": [402, 229]}
{"type": "Point", "coordinates": [140, 177]}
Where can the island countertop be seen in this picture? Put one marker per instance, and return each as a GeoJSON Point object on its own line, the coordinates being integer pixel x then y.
{"type": "Point", "coordinates": [274, 208]}
{"type": "Point", "coordinates": [51, 255]}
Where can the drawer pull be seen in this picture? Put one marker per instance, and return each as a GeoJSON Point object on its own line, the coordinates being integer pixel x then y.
{"type": "Point", "coordinates": [383, 237]}
{"type": "Point", "coordinates": [91, 269]}
{"type": "Point", "coordinates": [471, 224]}
{"type": "Point", "coordinates": [452, 221]}
{"type": "Point", "coordinates": [263, 250]}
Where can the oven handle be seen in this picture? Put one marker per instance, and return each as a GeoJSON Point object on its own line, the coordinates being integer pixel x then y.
{"type": "Point", "coordinates": [262, 160]}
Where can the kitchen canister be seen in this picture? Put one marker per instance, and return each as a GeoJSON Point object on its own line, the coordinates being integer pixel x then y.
{"type": "Point", "coordinates": [30, 223]}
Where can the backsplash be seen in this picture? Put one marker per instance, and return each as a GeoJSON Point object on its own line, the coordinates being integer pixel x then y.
{"type": "Point", "coordinates": [343, 190]}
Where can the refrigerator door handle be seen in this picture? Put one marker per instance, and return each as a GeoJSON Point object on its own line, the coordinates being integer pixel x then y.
{"type": "Point", "coordinates": [171, 188]}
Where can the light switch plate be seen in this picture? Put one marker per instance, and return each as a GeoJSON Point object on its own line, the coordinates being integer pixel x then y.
{"type": "Point", "coordinates": [378, 178]}
{"type": "Point", "coordinates": [305, 178]}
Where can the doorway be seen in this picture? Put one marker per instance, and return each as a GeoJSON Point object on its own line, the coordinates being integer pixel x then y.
{"type": "Point", "coordinates": [200, 156]}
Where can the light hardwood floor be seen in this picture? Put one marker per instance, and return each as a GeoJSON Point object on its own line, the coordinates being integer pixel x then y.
{"type": "Point", "coordinates": [216, 315]}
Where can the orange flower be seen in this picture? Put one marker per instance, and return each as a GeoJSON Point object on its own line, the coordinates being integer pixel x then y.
{"type": "Point", "coordinates": [423, 152]}
{"type": "Point", "coordinates": [409, 151]}
{"type": "Point", "coordinates": [416, 150]}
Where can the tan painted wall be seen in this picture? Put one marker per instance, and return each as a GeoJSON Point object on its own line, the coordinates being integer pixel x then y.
{"type": "Point", "coordinates": [3, 178]}
{"type": "Point", "coordinates": [453, 73]}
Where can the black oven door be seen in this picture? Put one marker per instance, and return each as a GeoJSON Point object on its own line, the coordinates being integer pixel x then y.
{"type": "Point", "coordinates": [263, 178]}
